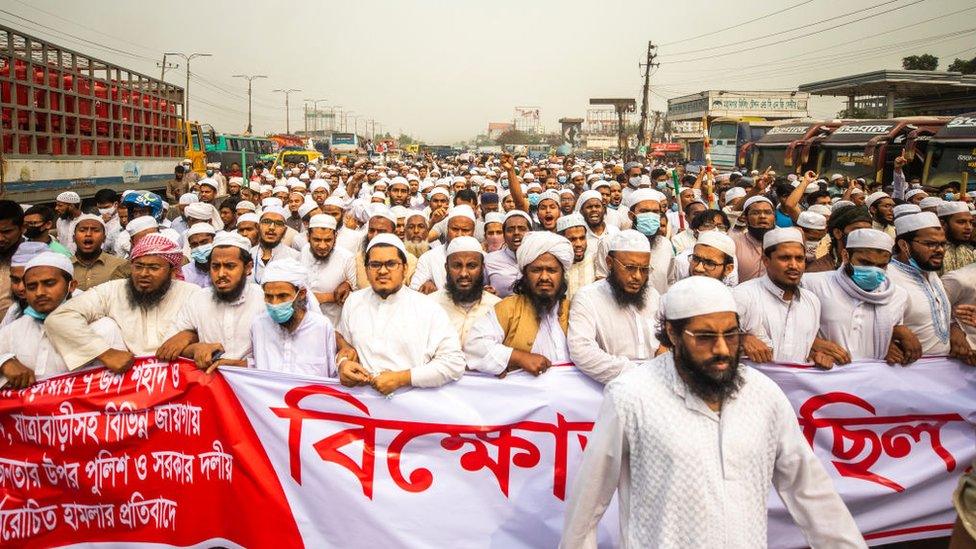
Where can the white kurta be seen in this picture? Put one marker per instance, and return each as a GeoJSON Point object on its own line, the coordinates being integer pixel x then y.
{"type": "Point", "coordinates": [593, 239]}
{"type": "Point", "coordinates": [663, 273]}
{"type": "Point", "coordinates": [143, 330]}
{"type": "Point", "coordinates": [960, 287]}
{"type": "Point", "coordinates": [486, 352]}
{"type": "Point", "coordinates": [405, 331]}
{"type": "Point", "coordinates": [26, 340]}
{"type": "Point", "coordinates": [325, 276]}
{"type": "Point", "coordinates": [580, 274]}
{"type": "Point", "coordinates": [501, 271]}
{"type": "Point", "coordinates": [218, 322]}
{"type": "Point", "coordinates": [281, 251]}
{"type": "Point", "coordinates": [309, 350]}
{"type": "Point", "coordinates": [431, 266]}
{"type": "Point", "coordinates": [196, 277]}
{"type": "Point", "coordinates": [350, 239]}
{"type": "Point", "coordinates": [66, 233]}
{"type": "Point", "coordinates": [689, 477]}
{"type": "Point", "coordinates": [788, 327]}
{"type": "Point", "coordinates": [923, 313]}
{"type": "Point", "coordinates": [463, 317]}
{"type": "Point", "coordinates": [604, 337]}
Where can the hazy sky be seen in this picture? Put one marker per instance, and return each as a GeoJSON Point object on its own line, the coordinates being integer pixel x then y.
{"type": "Point", "coordinates": [441, 70]}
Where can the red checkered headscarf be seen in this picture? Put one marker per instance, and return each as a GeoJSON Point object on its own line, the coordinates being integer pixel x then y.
{"type": "Point", "coordinates": [157, 244]}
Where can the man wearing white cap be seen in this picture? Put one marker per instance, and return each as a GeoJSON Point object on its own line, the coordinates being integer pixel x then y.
{"type": "Point", "coordinates": [920, 249]}
{"type": "Point", "coordinates": [612, 321]}
{"type": "Point", "coordinates": [415, 232]}
{"type": "Point", "coordinates": [644, 208]}
{"type": "Point", "coordinates": [391, 336]}
{"type": "Point", "coordinates": [864, 308]}
{"type": "Point", "coordinates": [685, 409]}
{"type": "Point", "coordinates": [527, 330]}
{"type": "Point", "coordinates": [68, 207]}
{"type": "Point", "coordinates": [431, 273]}
{"type": "Point", "coordinates": [199, 212]}
{"type": "Point", "coordinates": [501, 267]}
{"type": "Point", "coordinates": [957, 221]}
{"type": "Point", "coordinates": [271, 231]}
{"type": "Point", "coordinates": [780, 319]}
{"type": "Point", "coordinates": [199, 239]}
{"type": "Point", "coordinates": [590, 205]}
{"type": "Point", "coordinates": [18, 294]}
{"type": "Point", "coordinates": [207, 190]}
{"type": "Point", "coordinates": [814, 227]}
{"type": "Point", "coordinates": [287, 336]}
{"type": "Point", "coordinates": [331, 270]}
{"type": "Point", "coordinates": [882, 208]}
{"type": "Point", "coordinates": [92, 266]}
{"type": "Point", "coordinates": [214, 326]}
{"type": "Point", "coordinates": [248, 226]}
{"type": "Point", "coordinates": [760, 219]}
{"type": "Point", "coordinates": [463, 297]}
{"type": "Point", "coordinates": [26, 353]}
{"type": "Point", "coordinates": [713, 255]}
{"type": "Point", "coordinates": [380, 220]}
{"type": "Point", "coordinates": [573, 228]}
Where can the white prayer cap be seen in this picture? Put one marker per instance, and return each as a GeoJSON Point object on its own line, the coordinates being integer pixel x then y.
{"type": "Point", "coordinates": [306, 207]}
{"type": "Point", "coordinates": [27, 251]}
{"type": "Point", "coordinates": [541, 242]}
{"type": "Point", "coordinates": [718, 240]}
{"type": "Point", "coordinates": [841, 204]}
{"type": "Point", "coordinates": [333, 201]}
{"type": "Point", "coordinates": [380, 210]}
{"type": "Point", "coordinates": [568, 192]}
{"type": "Point", "coordinates": [549, 195]}
{"type": "Point", "coordinates": [569, 221]}
{"type": "Point", "coordinates": [302, 177]}
{"type": "Point", "coordinates": [913, 192]}
{"type": "Point", "coordinates": [905, 209]}
{"type": "Point", "coordinates": [916, 222]}
{"type": "Point", "coordinates": [272, 201]}
{"type": "Point", "coordinates": [643, 195]}
{"type": "Point", "coordinates": [248, 218]}
{"type": "Point", "coordinates": [811, 220]}
{"type": "Point", "coordinates": [279, 189]}
{"type": "Point", "coordinates": [835, 177]}
{"type": "Point", "coordinates": [782, 235]}
{"type": "Point", "coordinates": [254, 186]}
{"type": "Point", "coordinates": [952, 207]}
{"type": "Point", "coordinates": [440, 191]}
{"type": "Point", "coordinates": [199, 210]}
{"type": "Point", "coordinates": [930, 202]}
{"type": "Point", "coordinates": [288, 270]}
{"type": "Point", "coordinates": [874, 197]}
{"type": "Point", "coordinates": [791, 178]}
{"type": "Point", "coordinates": [417, 213]}
{"type": "Point", "coordinates": [225, 238]}
{"type": "Point", "coordinates": [734, 193]}
{"type": "Point", "coordinates": [388, 239]}
{"type": "Point", "coordinates": [246, 205]}
{"type": "Point", "coordinates": [69, 197]}
{"type": "Point", "coordinates": [464, 244]}
{"type": "Point", "coordinates": [518, 213]}
{"type": "Point", "coordinates": [210, 182]}
{"type": "Point", "coordinates": [754, 200]}
{"type": "Point", "coordinates": [398, 180]}
{"type": "Point", "coordinates": [856, 190]}
{"type": "Point", "coordinates": [90, 217]}
{"type": "Point", "coordinates": [199, 228]}
{"type": "Point", "coordinates": [140, 224]}
{"type": "Point", "coordinates": [462, 210]}
{"type": "Point", "coordinates": [821, 209]}
{"type": "Point", "coordinates": [236, 181]}
{"type": "Point", "coordinates": [630, 240]}
{"type": "Point", "coordinates": [599, 183]}
{"type": "Point", "coordinates": [400, 212]}
{"type": "Point", "coordinates": [586, 196]}
{"type": "Point", "coordinates": [291, 181]}
{"type": "Point", "coordinates": [322, 221]}
{"type": "Point", "coordinates": [697, 296]}
{"type": "Point", "coordinates": [298, 187]}
{"type": "Point", "coordinates": [494, 217]}
{"type": "Point", "coordinates": [318, 184]}
{"type": "Point", "coordinates": [50, 259]}
{"type": "Point", "coordinates": [870, 238]}
{"type": "Point", "coordinates": [274, 210]}
{"type": "Point", "coordinates": [811, 188]}
{"type": "Point", "coordinates": [188, 198]}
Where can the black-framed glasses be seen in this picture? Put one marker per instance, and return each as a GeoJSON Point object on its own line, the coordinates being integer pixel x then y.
{"type": "Point", "coordinates": [272, 222]}
{"type": "Point", "coordinates": [707, 263]}
{"type": "Point", "coordinates": [708, 339]}
{"type": "Point", "coordinates": [378, 265]}
{"type": "Point", "coordinates": [932, 245]}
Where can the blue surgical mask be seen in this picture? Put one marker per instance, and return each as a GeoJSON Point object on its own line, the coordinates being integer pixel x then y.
{"type": "Point", "coordinates": [561, 178]}
{"type": "Point", "coordinates": [674, 206]}
{"type": "Point", "coordinates": [201, 254]}
{"type": "Point", "coordinates": [949, 197]}
{"type": "Point", "coordinates": [282, 312]}
{"type": "Point", "coordinates": [29, 311]}
{"type": "Point", "coordinates": [647, 223]}
{"type": "Point", "coordinates": [913, 263]}
{"type": "Point", "coordinates": [534, 199]}
{"type": "Point", "coordinates": [868, 278]}
{"type": "Point", "coordinates": [662, 185]}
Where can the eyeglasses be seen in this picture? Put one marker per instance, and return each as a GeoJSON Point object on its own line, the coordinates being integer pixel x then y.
{"type": "Point", "coordinates": [272, 223]}
{"type": "Point", "coordinates": [632, 269]}
{"type": "Point", "coordinates": [707, 263]}
{"type": "Point", "coordinates": [389, 265]}
{"type": "Point", "coordinates": [932, 245]}
{"type": "Point", "coordinates": [713, 227]}
{"type": "Point", "coordinates": [708, 339]}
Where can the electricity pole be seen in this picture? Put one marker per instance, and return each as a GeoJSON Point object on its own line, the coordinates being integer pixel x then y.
{"type": "Point", "coordinates": [163, 66]}
{"type": "Point", "coordinates": [186, 90]}
{"type": "Point", "coordinates": [249, 78]}
{"type": "Point", "coordinates": [287, 93]}
{"type": "Point", "coordinates": [651, 56]}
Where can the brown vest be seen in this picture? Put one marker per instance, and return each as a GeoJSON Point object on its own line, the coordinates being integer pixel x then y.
{"type": "Point", "coordinates": [517, 319]}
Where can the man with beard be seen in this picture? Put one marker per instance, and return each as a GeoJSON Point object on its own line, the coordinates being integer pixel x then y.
{"type": "Point", "coordinates": [381, 221]}
{"type": "Point", "coordinates": [331, 270]}
{"type": "Point", "coordinates": [760, 219]}
{"type": "Point", "coordinates": [573, 228]}
{"type": "Point", "coordinates": [501, 267]}
{"type": "Point", "coordinates": [415, 233]}
{"type": "Point", "coordinates": [463, 297]}
{"type": "Point", "coordinates": [92, 266]}
{"type": "Point", "coordinates": [684, 409]}
{"type": "Point", "coordinates": [390, 336]}
{"type": "Point", "coordinates": [200, 239]}
{"type": "Point", "coordinates": [26, 353]}
{"type": "Point", "coordinates": [646, 212]}
{"type": "Point", "coordinates": [843, 221]}
{"type": "Point", "coordinates": [882, 208]}
{"type": "Point", "coordinates": [38, 221]}
{"type": "Point", "coordinates": [527, 330]}
{"type": "Point", "coordinates": [612, 321]}
{"type": "Point", "coordinates": [144, 307]}
{"type": "Point", "coordinates": [957, 221]}
{"type": "Point", "coordinates": [271, 230]}
{"type": "Point", "coordinates": [217, 319]}
{"type": "Point", "coordinates": [591, 206]}
{"type": "Point", "coordinates": [68, 207]}
{"type": "Point", "coordinates": [713, 255]}
{"type": "Point", "coordinates": [18, 294]}
{"type": "Point", "coordinates": [919, 251]}
{"type": "Point", "coordinates": [11, 233]}
{"type": "Point", "coordinates": [431, 273]}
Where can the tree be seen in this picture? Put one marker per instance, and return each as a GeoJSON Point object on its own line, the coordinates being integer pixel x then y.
{"type": "Point", "coordinates": [924, 62]}
{"type": "Point", "coordinates": [856, 113]}
{"type": "Point", "coordinates": [516, 137]}
{"type": "Point", "coordinates": [963, 66]}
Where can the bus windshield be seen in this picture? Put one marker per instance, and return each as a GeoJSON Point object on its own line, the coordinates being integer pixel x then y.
{"type": "Point", "coordinates": [775, 157]}
{"type": "Point", "coordinates": [723, 130]}
{"type": "Point", "coordinates": [948, 161]}
{"type": "Point", "coordinates": [850, 162]}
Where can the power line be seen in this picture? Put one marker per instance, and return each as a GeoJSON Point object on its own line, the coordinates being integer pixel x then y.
{"type": "Point", "coordinates": [90, 29]}
{"type": "Point", "coordinates": [744, 23]}
{"type": "Point", "coordinates": [78, 38]}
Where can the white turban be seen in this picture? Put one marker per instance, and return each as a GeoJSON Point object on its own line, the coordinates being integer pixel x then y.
{"type": "Point", "coordinates": [870, 238]}
{"type": "Point", "coordinates": [569, 221]}
{"type": "Point", "coordinates": [199, 228]}
{"type": "Point", "coordinates": [464, 244]}
{"type": "Point", "coordinates": [462, 210]}
{"type": "Point", "coordinates": [811, 220]}
{"type": "Point", "coordinates": [952, 207]}
{"type": "Point", "coordinates": [541, 242]}
{"type": "Point", "coordinates": [188, 198]}
{"type": "Point", "coordinates": [288, 270]}
{"type": "Point", "coordinates": [90, 217]}
{"type": "Point", "coordinates": [697, 296]}
{"type": "Point", "coordinates": [249, 218]}
{"type": "Point", "coordinates": [51, 259]}
{"type": "Point", "coordinates": [643, 195]}
{"type": "Point", "coordinates": [246, 205]}
{"type": "Point", "coordinates": [199, 210]}
{"type": "Point", "coordinates": [518, 213]}
{"type": "Point", "coordinates": [586, 196]}
{"type": "Point", "coordinates": [874, 197]}
{"type": "Point", "coordinates": [494, 217]}
{"type": "Point", "coordinates": [734, 193]}
{"type": "Point", "coordinates": [212, 183]}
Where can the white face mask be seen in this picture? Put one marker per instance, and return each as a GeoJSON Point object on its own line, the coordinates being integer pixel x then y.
{"type": "Point", "coordinates": [107, 212]}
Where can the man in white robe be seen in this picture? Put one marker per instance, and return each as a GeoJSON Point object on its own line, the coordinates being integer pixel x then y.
{"type": "Point", "coordinates": [644, 208]}
{"type": "Point", "coordinates": [712, 255]}
{"type": "Point", "coordinates": [431, 274]}
{"type": "Point", "coordinates": [199, 239]}
{"type": "Point", "coordinates": [271, 231]}
{"type": "Point", "coordinates": [573, 228]}
{"type": "Point", "coordinates": [463, 297]}
{"type": "Point", "coordinates": [501, 267]}
{"type": "Point", "coordinates": [331, 269]}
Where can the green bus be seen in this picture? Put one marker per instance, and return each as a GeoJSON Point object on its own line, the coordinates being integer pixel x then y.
{"type": "Point", "coordinates": [227, 149]}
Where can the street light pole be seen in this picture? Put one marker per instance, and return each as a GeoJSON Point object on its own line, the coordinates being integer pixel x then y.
{"type": "Point", "coordinates": [186, 90]}
{"type": "Point", "coordinates": [315, 110]}
{"type": "Point", "coordinates": [345, 120]}
{"type": "Point", "coordinates": [287, 93]}
{"type": "Point", "coordinates": [249, 78]}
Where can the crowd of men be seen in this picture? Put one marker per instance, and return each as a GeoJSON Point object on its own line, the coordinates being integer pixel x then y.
{"type": "Point", "coordinates": [648, 279]}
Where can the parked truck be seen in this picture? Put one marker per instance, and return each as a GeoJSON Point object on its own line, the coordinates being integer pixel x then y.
{"type": "Point", "coordinates": [69, 121]}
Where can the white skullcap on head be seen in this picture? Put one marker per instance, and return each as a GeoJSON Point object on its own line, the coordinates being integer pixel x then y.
{"type": "Point", "coordinates": [538, 243]}
{"type": "Point", "coordinates": [836, 176]}
{"type": "Point", "coordinates": [870, 238]}
{"type": "Point", "coordinates": [380, 210]}
{"type": "Point", "coordinates": [718, 240]}
{"type": "Point", "coordinates": [288, 270]}
{"type": "Point", "coordinates": [51, 259]}
{"type": "Point", "coordinates": [874, 197]}
{"type": "Point", "coordinates": [199, 210]}
{"type": "Point", "coordinates": [930, 202]}
{"type": "Point", "coordinates": [915, 222]}
{"type": "Point", "coordinates": [462, 210]}
{"type": "Point", "coordinates": [643, 195]}
{"type": "Point", "coordinates": [586, 196]}
{"type": "Point", "coordinates": [291, 181]}
{"type": "Point", "coordinates": [697, 296]}
{"type": "Point", "coordinates": [840, 205]}
{"type": "Point", "coordinates": [235, 181]}
{"type": "Point", "coordinates": [318, 184]}
{"type": "Point", "coordinates": [212, 183]}
{"type": "Point", "coordinates": [248, 218]}
{"type": "Point", "coordinates": [271, 201]}
{"type": "Point", "coordinates": [494, 217]}
{"type": "Point", "coordinates": [417, 213]}
{"type": "Point", "coordinates": [26, 251]}
{"type": "Point", "coordinates": [464, 244]}
{"type": "Point", "coordinates": [140, 224]}
{"type": "Point", "coordinates": [821, 209]}
{"type": "Point", "coordinates": [811, 220]}
{"type": "Point", "coordinates": [254, 186]}
{"type": "Point", "coordinates": [69, 197]}
{"type": "Point", "coordinates": [549, 195]}
{"type": "Point", "coordinates": [440, 191]}
{"type": "Point", "coordinates": [225, 238]}
{"type": "Point", "coordinates": [952, 207]}
{"type": "Point", "coordinates": [599, 183]}
{"type": "Point", "coordinates": [912, 192]}
{"type": "Point", "coordinates": [811, 188]}
{"type": "Point", "coordinates": [754, 200]}
{"type": "Point", "coordinates": [567, 192]}
{"type": "Point", "coordinates": [90, 217]}
{"type": "Point", "coordinates": [400, 212]}
{"type": "Point", "coordinates": [630, 240]}
{"type": "Point", "coordinates": [905, 209]}
{"type": "Point", "coordinates": [274, 210]}
{"type": "Point", "coordinates": [306, 207]}
{"type": "Point", "coordinates": [322, 221]}
{"type": "Point", "coordinates": [199, 228]}
{"type": "Point", "coordinates": [782, 235]}
{"type": "Point", "coordinates": [378, 194]}
{"type": "Point", "coordinates": [301, 178]}
{"type": "Point", "coordinates": [398, 180]}
{"type": "Point", "coordinates": [388, 239]}
{"type": "Point", "coordinates": [518, 213]}
{"type": "Point", "coordinates": [280, 189]}
{"type": "Point", "coordinates": [246, 205]}
{"type": "Point", "coordinates": [569, 221]}
{"type": "Point", "coordinates": [188, 198]}
{"type": "Point", "coordinates": [333, 201]}
{"type": "Point", "coordinates": [734, 193]}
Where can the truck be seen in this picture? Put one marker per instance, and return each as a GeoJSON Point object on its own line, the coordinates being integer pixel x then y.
{"type": "Point", "coordinates": [69, 121]}
{"type": "Point", "coordinates": [951, 154]}
{"type": "Point", "coordinates": [867, 148]}
{"type": "Point", "coordinates": [790, 147]}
